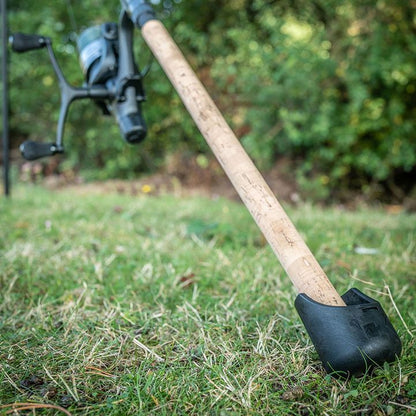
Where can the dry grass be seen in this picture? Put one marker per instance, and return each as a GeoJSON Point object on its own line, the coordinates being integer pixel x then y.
{"type": "Point", "coordinates": [122, 305]}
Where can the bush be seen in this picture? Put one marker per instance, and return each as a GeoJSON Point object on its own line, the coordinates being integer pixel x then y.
{"type": "Point", "coordinates": [330, 85]}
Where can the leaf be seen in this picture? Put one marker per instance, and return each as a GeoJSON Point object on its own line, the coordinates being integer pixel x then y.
{"type": "Point", "coordinates": [187, 280]}
{"type": "Point", "coordinates": [352, 393]}
{"type": "Point", "coordinates": [201, 228]}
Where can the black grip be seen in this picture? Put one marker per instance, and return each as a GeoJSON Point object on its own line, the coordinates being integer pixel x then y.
{"type": "Point", "coordinates": [22, 42]}
{"type": "Point", "coordinates": [32, 150]}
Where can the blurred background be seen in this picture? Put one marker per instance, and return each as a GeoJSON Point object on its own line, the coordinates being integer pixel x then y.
{"type": "Point", "coordinates": [321, 93]}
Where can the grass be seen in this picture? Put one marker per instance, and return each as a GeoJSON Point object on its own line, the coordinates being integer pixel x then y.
{"type": "Point", "coordinates": [129, 305]}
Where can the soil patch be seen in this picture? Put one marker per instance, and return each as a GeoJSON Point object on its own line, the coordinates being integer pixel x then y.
{"type": "Point", "coordinates": [182, 176]}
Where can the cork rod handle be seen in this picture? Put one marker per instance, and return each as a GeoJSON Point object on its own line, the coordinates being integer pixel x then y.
{"type": "Point", "coordinates": [289, 247]}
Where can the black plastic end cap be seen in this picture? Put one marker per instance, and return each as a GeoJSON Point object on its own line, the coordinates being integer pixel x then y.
{"type": "Point", "coordinates": [352, 339]}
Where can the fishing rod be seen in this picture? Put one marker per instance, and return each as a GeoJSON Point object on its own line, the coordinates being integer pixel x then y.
{"type": "Point", "coordinates": [351, 333]}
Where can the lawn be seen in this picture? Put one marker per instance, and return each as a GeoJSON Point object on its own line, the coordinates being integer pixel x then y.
{"type": "Point", "coordinates": [127, 305]}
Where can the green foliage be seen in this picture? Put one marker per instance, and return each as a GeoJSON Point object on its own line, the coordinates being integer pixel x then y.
{"type": "Point", "coordinates": [333, 87]}
{"type": "Point", "coordinates": [330, 85]}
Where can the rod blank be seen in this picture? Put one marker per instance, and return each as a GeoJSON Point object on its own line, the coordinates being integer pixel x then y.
{"type": "Point", "coordinates": [295, 257]}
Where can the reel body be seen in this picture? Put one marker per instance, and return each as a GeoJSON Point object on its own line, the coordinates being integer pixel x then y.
{"type": "Point", "coordinates": [98, 49]}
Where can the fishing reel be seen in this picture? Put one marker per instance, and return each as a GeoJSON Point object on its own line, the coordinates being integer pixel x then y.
{"type": "Point", "coordinates": [112, 80]}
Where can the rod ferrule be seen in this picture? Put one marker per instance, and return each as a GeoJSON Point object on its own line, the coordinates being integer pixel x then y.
{"type": "Point", "coordinates": [140, 11]}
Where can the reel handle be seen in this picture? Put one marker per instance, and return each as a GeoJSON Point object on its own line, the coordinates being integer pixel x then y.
{"type": "Point", "coordinates": [22, 42]}
{"type": "Point", "coordinates": [33, 150]}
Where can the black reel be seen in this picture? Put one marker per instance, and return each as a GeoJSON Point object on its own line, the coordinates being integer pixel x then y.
{"type": "Point", "coordinates": [112, 80]}
{"type": "Point", "coordinates": [98, 48]}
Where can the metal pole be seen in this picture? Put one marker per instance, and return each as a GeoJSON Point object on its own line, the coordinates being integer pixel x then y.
{"type": "Point", "coordinates": [5, 78]}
